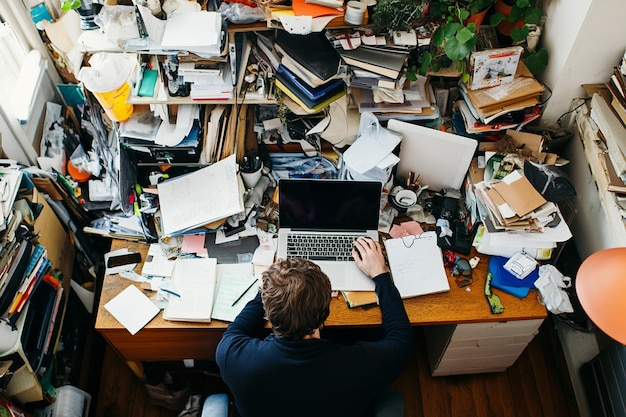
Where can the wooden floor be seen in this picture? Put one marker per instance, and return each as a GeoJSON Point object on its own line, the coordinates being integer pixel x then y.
{"type": "Point", "coordinates": [536, 385]}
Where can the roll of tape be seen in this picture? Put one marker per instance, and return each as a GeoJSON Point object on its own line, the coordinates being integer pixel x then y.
{"type": "Point", "coordinates": [402, 200]}
{"type": "Point", "coordinates": [355, 12]}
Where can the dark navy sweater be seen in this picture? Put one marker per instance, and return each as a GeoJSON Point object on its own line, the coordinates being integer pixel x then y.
{"type": "Point", "coordinates": [277, 377]}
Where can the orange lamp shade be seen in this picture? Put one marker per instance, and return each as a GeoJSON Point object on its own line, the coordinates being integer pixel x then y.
{"type": "Point", "coordinates": [601, 289]}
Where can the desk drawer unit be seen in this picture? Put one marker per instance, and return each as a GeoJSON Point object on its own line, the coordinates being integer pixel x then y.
{"type": "Point", "coordinates": [477, 347]}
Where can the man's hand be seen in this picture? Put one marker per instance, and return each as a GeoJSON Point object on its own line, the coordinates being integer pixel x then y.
{"type": "Point", "coordinates": [368, 255]}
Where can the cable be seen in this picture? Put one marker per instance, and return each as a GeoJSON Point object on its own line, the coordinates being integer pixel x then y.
{"type": "Point", "coordinates": [560, 119]}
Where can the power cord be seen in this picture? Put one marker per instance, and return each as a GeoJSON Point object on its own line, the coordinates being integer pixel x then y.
{"type": "Point", "coordinates": [559, 121]}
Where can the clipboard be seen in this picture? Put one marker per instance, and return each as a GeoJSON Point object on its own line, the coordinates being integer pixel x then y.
{"type": "Point", "coordinates": [416, 264]}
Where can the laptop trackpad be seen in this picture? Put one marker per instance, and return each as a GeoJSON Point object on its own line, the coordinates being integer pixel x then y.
{"type": "Point", "coordinates": [346, 276]}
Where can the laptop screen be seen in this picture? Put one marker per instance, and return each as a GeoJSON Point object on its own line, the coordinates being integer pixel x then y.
{"type": "Point", "coordinates": [329, 204]}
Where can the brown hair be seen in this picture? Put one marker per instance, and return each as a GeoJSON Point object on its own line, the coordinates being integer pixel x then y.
{"type": "Point", "coordinates": [296, 297]}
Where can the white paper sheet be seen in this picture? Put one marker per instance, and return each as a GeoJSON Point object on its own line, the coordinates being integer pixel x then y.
{"type": "Point", "coordinates": [198, 198]}
{"type": "Point", "coordinates": [132, 308]}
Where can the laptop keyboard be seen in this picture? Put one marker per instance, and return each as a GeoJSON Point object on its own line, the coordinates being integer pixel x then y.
{"type": "Point", "coordinates": [320, 247]}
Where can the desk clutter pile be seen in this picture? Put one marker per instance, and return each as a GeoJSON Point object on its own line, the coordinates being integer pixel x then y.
{"type": "Point", "coordinates": [200, 139]}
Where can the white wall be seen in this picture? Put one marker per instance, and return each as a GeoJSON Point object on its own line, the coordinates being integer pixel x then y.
{"type": "Point", "coordinates": [21, 141]}
{"type": "Point", "coordinates": [585, 40]}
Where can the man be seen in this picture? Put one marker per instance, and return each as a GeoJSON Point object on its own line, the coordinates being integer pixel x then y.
{"type": "Point", "coordinates": [293, 371]}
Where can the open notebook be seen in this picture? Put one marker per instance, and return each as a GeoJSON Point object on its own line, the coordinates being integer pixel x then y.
{"type": "Point", "coordinates": [416, 265]}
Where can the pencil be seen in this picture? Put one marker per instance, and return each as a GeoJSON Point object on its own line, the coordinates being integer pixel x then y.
{"type": "Point", "coordinates": [170, 292]}
{"type": "Point", "coordinates": [244, 292]}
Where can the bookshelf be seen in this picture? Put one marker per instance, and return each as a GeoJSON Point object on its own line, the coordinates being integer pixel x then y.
{"type": "Point", "coordinates": [19, 344]}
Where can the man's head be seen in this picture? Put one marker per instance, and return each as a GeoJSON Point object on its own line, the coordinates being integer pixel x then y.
{"type": "Point", "coordinates": [296, 297]}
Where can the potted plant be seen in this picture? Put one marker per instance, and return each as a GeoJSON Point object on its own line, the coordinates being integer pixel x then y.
{"type": "Point", "coordinates": [512, 16]}
{"type": "Point", "coordinates": [518, 19]}
{"type": "Point", "coordinates": [455, 38]}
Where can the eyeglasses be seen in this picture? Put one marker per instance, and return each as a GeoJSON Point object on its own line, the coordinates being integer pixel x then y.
{"type": "Point", "coordinates": [494, 301]}
{"type": "Point", "coordinates": [462, 272]}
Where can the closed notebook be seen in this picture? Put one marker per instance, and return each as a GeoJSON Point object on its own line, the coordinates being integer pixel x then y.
{"type": "Point", "coordinates": [316, 107]}
{"type": "Point", "coordinates": [303, 96]}
{"type": "Point", "coordinates": [302, 89]}
{"type": "Point", "coordinates": [385, 63]}
{"type": "Point", "coordinates": [312, 51]}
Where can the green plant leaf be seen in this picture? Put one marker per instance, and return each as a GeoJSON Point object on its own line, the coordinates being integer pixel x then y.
{"type": "Point", "coordinates": [516, 14]}
{"type": "Point", "coordinates": [450, 29]}
{"type": "Point", "coordinates": [537, 61]}
{"type": "Point", "coordinates": [518, 34]}
{"type": "Point", "coordinates": [522, 4]}
{"type": "Point", "coordinates": [437, 38]}
{"type": "Point", "coordinates": [427, 59]}
{"type": "Point", "coordinates": [496, 19]}
{"type": "Point", "coordinates": [465, 78]}
{"type": "Point", "coordinates": [533, 16]}
{"type": "Point", "coordinates": [465, 35]}
{"type": "Point", "coordinates": [456, 50]}
{"type": "Point", "coordinates": [452, 49]}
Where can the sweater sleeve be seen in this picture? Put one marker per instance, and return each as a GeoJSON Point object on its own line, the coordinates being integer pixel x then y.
{"type": "Point", "coordinates": [249, 324]}
{"type": "Point", "coordinates": [396, 323]}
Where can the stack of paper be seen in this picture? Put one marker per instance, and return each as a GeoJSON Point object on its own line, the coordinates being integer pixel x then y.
{"type": "Point", "coordinates": [513, 203]}
{"type": "Point", "coordinates": [490, 104]}
{"type": "Point", "coordinates": [198, 32]}
{"type": "Point", "coordinates": [201, 197]}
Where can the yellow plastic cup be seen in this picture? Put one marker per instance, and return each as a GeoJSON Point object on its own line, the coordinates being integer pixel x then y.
{"type": "Point", "coordinates": [115, 102]}
{"type": "Point", "coordinates": [107, 79]}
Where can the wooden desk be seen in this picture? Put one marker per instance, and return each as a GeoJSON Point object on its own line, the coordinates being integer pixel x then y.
{"type": "Point", "coordinates": [168, 341]}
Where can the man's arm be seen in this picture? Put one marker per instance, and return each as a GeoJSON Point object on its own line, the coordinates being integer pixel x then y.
{"type": "Point", "coordinates": [249, 324]}
{"type": "Point", "coordinates": [369, 257]}
{"type": "Point", "coordinates": [251, 320]}
{"type": "Point", "coordinates": [395, 320]}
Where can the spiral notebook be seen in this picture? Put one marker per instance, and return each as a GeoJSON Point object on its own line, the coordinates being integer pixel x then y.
{"type": "Point", "coordinates": [416, 265]}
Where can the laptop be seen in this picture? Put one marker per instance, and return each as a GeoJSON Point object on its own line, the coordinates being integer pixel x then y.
{"type": "Point", "coordinates": [328, 209]}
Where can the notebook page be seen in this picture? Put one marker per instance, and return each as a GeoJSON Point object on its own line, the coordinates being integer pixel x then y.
{"type": "Point", "coordinates": [194, 280]}
{"type": "Point", "coordinates": [416, 265]}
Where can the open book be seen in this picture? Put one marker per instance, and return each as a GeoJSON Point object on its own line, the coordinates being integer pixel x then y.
{"type": "Point", "coordinates": [194, 287]}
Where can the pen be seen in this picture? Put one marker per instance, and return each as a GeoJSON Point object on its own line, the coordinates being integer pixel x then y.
{"type": "Point", "coordinates": [175, 294]}
{"type": "Point", "coordinates": [244, 292]}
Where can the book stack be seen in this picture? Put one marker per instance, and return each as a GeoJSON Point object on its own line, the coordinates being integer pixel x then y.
{"type": "Point", "coordinates": [311, 99]}
{"type": "Point", "coordinates": [38, 266]}
{"type": "Point", "coordinates": [384, 62]}
{"type": "Point", "coordinates": [500, 107]}
{"type": "Point", "coordinates": [374, 61]}
{"type": "Point", "coordinates": [614, 134]}
{"type": "Point", "coordinates": [617, 87]}
{"type": "Point", "coordinates": [208, 79]}
{"type": "Point", "coordinates": [415, 101]}
{"type": "Point", "coordinates": [308, 70]}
